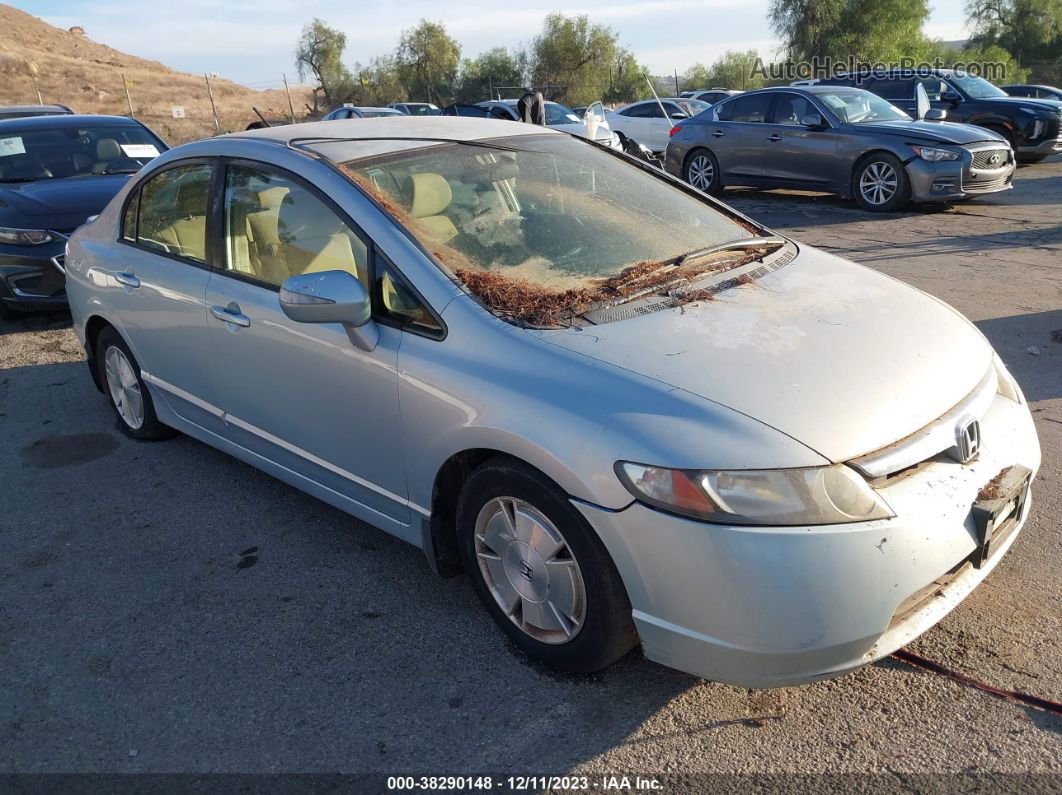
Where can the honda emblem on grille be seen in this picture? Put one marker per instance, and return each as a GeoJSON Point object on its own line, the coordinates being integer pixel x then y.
{"type": "Point", "coordinates": [968, 441]}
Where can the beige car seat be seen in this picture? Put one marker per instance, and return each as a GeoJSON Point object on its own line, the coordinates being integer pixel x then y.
{"type": "Point", "coordinates": [187, 235]}
{"type": "Point", "coordinates": [311, 239]}
{"type": "Point", "coordinates": [107, 150]}
{"type": "Point", "coordinates": [430, 196]}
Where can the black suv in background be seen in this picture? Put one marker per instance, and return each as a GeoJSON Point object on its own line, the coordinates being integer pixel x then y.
{"type": "Point", "coordinates": [1032, 126]}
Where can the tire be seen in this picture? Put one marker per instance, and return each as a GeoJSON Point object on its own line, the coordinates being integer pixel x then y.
{"type": "Point", "coordinates": [566, 603]}
{"type": "Point", "coordinates": [880, 183]}
{"type": "Point", "coordinates": [130, 399]}
{"type": "Point", "coordinates": [701, 170]}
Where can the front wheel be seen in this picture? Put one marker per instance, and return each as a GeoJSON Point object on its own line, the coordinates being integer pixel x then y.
{"type": "Point", "coordinates": [880, 184]}
{"type": "Point", "coordinates": [540, 569]}
{"type": "Point", "coordinates": [702, 171]}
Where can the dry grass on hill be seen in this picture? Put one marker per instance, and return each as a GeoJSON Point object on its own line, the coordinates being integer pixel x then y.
{"type": "Point", "coordinates": [73, 70]}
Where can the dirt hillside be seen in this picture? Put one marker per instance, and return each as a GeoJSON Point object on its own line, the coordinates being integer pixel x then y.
{"type": "Point", "coordinates": [72, 69]}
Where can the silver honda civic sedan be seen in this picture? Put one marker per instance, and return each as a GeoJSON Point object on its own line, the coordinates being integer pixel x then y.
{"type": "Point", "coordinates": [628, 413]}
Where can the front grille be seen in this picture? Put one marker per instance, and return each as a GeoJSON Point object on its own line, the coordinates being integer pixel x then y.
{"type": "Point", "coordinates": [984, 186]}
{"type": "Point", "coordinates": [983, 158]}
{"type": "Point", "coordinates": [59, 261]}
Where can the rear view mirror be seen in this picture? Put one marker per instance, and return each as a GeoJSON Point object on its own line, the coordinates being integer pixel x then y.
{"type": "Point", "coordinates": [813, 120]}
{"type": "Point", "coordinates": [331, 297]}
{"type": "Point", "coordinates": [936, 114]}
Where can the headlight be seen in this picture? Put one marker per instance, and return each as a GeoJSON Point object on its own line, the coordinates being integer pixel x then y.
{"type": "Point", "coordinates": [811, 496]}
{"type": "Point", "coordinates": [1037, 128]}
{"type": "Point", "coordinates": [1006, 385]}
{"type": "Point", "coordinates": [616, 142]}
{"type": "Point", "coordinates": [25, 237]}
{"type": "Point", "coordinates": [934, 155]}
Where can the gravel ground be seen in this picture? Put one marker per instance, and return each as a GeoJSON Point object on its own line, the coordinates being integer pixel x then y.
{"type": "Point", "coordinates": [165, 608]}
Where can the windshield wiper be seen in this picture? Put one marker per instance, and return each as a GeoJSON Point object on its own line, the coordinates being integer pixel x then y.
{"type": "Point", "coordinates": [733, 245]}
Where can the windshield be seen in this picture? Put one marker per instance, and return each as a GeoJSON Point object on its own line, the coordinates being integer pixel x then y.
{"type": "Point", "coordinates": [856, 106]}
{"type": "Point", "coordinates": [693, 106]}
{"type": "Point", "coordinates": [37, 154]}
{"type": "Point", "coordinates": [558, 114]}
{"type": "Point", "coordinates": [547, 214]}
{"type": "Point", "coordinates": [975, 87]}
{"type": "Point", "coordinates": [422, 110]}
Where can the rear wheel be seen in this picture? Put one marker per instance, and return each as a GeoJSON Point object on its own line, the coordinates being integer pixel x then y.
{"type": "Point", "coordinates": [540, 569]}
{"type": "Point", "coordinates": [702, 171]}
{"type": "Point", "coordinates": [880, 183]}
{"type": "Point", "coordinates": [124, 387]}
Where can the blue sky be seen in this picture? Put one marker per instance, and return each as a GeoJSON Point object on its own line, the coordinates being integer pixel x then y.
{"type": "Point", "coordinates": [251, 41]}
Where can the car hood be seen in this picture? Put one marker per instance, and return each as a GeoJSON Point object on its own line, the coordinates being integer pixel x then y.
{"type": "Point", "coordinates": [942, 131]}
{"type": "Point", "coordinates": [840, 357]}
{"type": "Point", "coordinates": [57, 203]}
{"type": "Point", "coordinates": [1045, 105]}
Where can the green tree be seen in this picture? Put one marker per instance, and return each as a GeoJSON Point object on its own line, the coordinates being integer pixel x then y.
{"type": "Point", "coordinates": [866, 30]}
{"type": "Point", "coordinates": [1030, 30]}
{"type": "Point", "coordinates": [427, 60]}
{"type": "Point", "coordinates": [319, 53]}
{"type": "Point", "coordinates": [488, 70]}
{"type": "Point", "coordinates": [735, 70]}
{"type": "Point", "coordinates": [626, 79]}
{"type": "Point", "coordinates": [377, 83]}
{"type": "Point", "coordinates": [697, 76]}
{"type": "Point", "coordinates": [571, 59]}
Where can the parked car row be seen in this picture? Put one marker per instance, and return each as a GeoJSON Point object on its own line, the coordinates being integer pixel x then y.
{"type": "Point", "coordinates": [885, 145]}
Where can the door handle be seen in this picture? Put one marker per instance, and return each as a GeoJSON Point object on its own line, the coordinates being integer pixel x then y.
{"type": "Point", "coordinates": [718, 133]}
{"type": "Point", "coordinates": [231, 314]}
{"type": "Point", "coordinates": [128, 279]}
{"type": "Point", "coordinates": [774, 138]}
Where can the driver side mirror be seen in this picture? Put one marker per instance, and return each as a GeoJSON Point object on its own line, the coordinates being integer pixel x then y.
{"type": "Point", "coordinates": [331, 297]}
{"type": "Point", "coordinates": [813, 121]}
{"type": "Point", "coordinates": [936, 114]}
{"type": "Point", "coordinates": [678, 114]}
{"type": "Point", "coordinates": [950, 96]}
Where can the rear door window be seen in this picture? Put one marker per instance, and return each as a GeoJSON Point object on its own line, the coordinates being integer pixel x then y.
{"type": "Point", "coordinates": [893, 87]}
{"type": "Point", "coordinates": [752, 109]}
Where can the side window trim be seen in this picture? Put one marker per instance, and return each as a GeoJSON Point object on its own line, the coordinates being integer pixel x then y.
{"type": "Point", "coordinates": [198, 160]}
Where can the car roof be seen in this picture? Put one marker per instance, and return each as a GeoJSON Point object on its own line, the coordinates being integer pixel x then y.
{"type": "Point", "coordinates": [1017, 85]}
{"type": "Point", "coordinates": [65, 120]}
{"type": "Point", "coordinates": [457, 128]}
{"type": "Point", "coordinates": [56, 109]}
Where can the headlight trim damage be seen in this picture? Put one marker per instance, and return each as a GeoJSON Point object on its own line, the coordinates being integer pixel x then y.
{"type": "Point", "coordinates": [807, 496]}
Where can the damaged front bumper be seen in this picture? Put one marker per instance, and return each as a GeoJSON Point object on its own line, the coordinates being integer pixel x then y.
{"type": "Point", "coordinates": [778, 606]}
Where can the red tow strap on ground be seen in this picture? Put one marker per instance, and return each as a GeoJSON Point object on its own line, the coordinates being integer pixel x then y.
{"type": "Point", "coordinates": [1011, 695]}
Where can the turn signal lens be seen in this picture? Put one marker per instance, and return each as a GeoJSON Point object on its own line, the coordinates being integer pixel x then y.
{"type": "Point", "coordinates": [674, 130]}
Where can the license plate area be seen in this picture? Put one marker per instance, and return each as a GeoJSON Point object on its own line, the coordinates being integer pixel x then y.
{"type": "Point", "coordinates": [998, 510]}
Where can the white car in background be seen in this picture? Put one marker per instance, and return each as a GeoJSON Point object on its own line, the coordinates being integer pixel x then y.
{"type": "Point", "coordinates": [592, 124]}
{"type": "Point", "coordinates": [644, 122]}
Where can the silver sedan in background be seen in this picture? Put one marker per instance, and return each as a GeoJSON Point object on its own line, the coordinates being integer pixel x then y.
{"type": "Point", "coordinates": [627, 412]}
{"type": "Point", "coordinates": [840, 140]}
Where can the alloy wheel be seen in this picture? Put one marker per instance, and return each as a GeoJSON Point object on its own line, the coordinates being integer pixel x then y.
{"type": "Point", "coordinates": [701, 172]}
{"type": "Point", "coordinates": [124, 387]}
{"type": "Point", "coordinates": [530, 570]}
{"type": "Point", "coordinates": [878, 183]}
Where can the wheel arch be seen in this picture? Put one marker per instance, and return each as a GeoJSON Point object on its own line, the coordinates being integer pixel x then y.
{"type": "Point", "coordinates": [439, 529]}
{"type": "Point", "coordinates": [94, 326]}
{"type": "Point", "coordinates": [863, 157]}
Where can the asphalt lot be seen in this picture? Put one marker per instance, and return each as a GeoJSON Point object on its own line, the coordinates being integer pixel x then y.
{"type": "Point", "coordinates": [166, 608]}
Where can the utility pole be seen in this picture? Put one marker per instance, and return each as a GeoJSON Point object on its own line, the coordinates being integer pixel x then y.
{"type": "Point", "coordinates": [676, 83]}
{"type": "Point", "coordinates": [213, 108]}
{"type": "Point", "coordinates": [128, 99]}
{"type": "Point", "coordinates": [291, 108]}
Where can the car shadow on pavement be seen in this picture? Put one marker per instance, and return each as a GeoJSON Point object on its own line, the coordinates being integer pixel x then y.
{"type": "Point", "coordinates": [168, 598]}
{"type": "Point", "coordinates": [1016, 337]}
